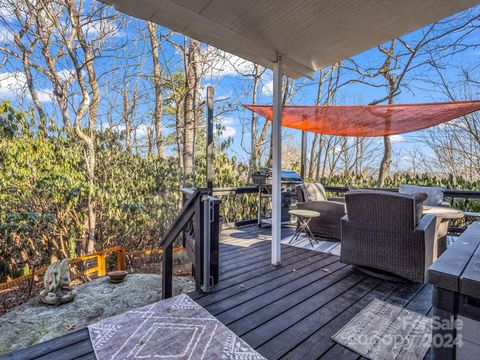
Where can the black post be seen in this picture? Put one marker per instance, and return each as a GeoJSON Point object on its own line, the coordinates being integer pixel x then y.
{"type": "Point", "coordinates": [167, 273]}
{"type": "Point", "coordinates": [210, 95]}
{"type": "Point", "coordinates": [303, 157]}
{"type": "Point", "coordinates": [198, 221]}
{"type": "Point", "coordinates": [215, 241]}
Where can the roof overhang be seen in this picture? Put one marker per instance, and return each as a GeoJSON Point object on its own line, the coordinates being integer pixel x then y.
{"type": "Point", "coordinates": [309, 34]}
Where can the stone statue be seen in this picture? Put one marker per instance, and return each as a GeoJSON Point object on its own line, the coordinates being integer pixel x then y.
{"type": "Point", "coordinates": [56, 281]}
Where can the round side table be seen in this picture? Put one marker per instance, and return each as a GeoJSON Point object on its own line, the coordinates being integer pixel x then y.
{"type": "Point", "coordinates": [304, 217]}
{"type": "Point", "coordinates": [444, 215]}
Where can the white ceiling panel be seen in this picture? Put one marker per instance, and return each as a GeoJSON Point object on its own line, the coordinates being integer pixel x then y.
{"type": "Point", "coordinates": [309, 34]}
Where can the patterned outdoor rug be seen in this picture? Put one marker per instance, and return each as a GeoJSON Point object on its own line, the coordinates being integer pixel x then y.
{"type": "Point", "coordinates": [383, 331]}
{"type": "Point", "coordinates": [176, 328]}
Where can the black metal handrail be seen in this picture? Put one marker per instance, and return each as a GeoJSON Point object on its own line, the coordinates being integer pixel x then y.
{"type": "Point", "coordinates": [235, 190]}
{"type": "Point", "coordinates": [449, 193]}
{"type": "Point", "coordinates": [199, 222]}
{"type": "Point", "coordinates": [176, 228]}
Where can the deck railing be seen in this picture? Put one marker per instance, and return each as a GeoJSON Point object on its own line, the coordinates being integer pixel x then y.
{"type": "Point", "coordinates": [99, 259]}
{"type": "Point", "coordinates": [448, 193]}
{"type": "Point", "coordinates": [242, 205]}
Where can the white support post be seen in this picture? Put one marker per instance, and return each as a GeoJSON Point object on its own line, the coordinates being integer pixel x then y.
{"type": "Point", "coordinates": [277, 161]}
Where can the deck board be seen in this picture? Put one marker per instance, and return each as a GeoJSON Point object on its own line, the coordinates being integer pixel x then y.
{"type": "Point", "coordinates": [284, 312]}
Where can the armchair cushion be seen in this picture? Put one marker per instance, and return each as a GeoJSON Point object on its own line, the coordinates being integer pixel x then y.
{"type": "Point", "coordinates": [315, 192]}
{"type": "Point", "coordinates": [434, 193]}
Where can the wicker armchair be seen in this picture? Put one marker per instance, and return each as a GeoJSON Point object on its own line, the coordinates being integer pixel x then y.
{"type": "Point", "coordinates": [385, 233]}
{"type": "Point", "coordinates": [312, 196]}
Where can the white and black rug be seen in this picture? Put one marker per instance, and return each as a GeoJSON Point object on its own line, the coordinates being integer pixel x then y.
{"type": "Point", "coordinates": [175, 328]}
{"type": "Point", "coordinates": [383, 331]}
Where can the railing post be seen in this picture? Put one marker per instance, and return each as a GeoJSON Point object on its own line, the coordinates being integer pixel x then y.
{"type": "Point", "coordinates": [207, 244]}
{"type": "Point", "coordinates": [259, 204]}
{"type": "Point", "coordinates": [184, 235]}
{"type": "Point", "coordinates": [199, 239]}
{"type": "Point", "coordinates": [206, 200]}
{"type": "Point", "coordinates": [215, 240]}
{"type": "Point", "coordinates": [121, 263]}
{"type": "Point", "coordinates": [167, 272]}
{"type": "Point", "coordinates": [101, 265]}
{"type": "Point", "coordinates": [209, 152]}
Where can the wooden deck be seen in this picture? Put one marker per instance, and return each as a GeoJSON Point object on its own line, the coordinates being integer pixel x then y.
{"type": "Point", "coordinates": [291, 311]}
{"type": "Point", "coordinates": [285, 312]}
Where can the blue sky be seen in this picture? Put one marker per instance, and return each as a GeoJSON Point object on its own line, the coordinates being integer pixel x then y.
{"type": "Point", "coordinates": [230, 87]}
{"type": "Point", "coordinates": [418, 91]}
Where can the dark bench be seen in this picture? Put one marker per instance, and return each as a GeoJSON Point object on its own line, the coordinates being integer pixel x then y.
{"type": "Point", "coordinates": [455, 277]}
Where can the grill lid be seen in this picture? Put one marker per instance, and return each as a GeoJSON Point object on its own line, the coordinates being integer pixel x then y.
{"type": "Point", "coordinates": [264, 174]}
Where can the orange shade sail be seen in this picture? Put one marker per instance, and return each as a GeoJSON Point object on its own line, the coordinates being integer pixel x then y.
{"type": "Point", "coordinates": [379, 120]}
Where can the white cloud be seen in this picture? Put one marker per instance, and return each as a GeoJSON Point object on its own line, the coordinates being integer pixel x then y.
{"type": "Point", "coordinates": [397, 138]}
{"type": "Point", "coordinates": [229, 129]}
{"type": "Point", "coordinates": [100, 28]}
{"type": "Point", "coordinates": [338, 149]}
{"type": "Point", "coordinates": [6, 11]}
{"type": "Point", "coordinates": [65, 74]}
{"type": "Point", "coordinates": [14, 86]}
{"type": "Point", "coordinates": [6, 36]}
{"type": "Point", "coordinates": [141, 130]}
{"type": "Point", "coordinates": [45, 95]}
{"type": "Point", "coordinates": [267, 87]}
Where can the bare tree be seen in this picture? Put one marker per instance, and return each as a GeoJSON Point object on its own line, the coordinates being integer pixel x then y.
{"type": "Point", "coordinates": [59, 30]}
{"type": "Point", "coordinates": [157, 81]}
{"type": "Point", "coordinates": [404, 55]}
{"type": "Point", "coordinates": [456, 144]}
{"type": "Point", "coordinates": [191, 85]}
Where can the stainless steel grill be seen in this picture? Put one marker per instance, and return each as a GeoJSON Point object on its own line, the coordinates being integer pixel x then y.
{"type": "Point", "coordinates": [289, 179]}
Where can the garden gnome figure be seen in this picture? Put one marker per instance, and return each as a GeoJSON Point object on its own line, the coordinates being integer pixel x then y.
{"type": "Point", "coordinates": [56, 283]}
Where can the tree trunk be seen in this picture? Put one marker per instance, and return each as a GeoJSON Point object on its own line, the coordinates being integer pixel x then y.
{"type": "Point", "coordinates": [150, 141]}
{"type": "Point", "coordinates": [89, 104]}
{"type": "Point", "coordinates": [157, 81]}
{"type": "Point", "coordinates": [285, 92]}
{"type": "Point", "coordinates": [179, 132]}
{"type": "Point", "coordinates": [312, 156]}
{"type": "Point", "coordinates": [392, 85]}
{"type": "Point", "coordinates": [127, 121]}
{"type": "Point", "coordinates": [254, 141]}
{"type": "Point", "coordinates": [386, 161]}
{"type": "Point", "coordinates": [318, 158]}
{"type": "Point", "coordinates": [191, 85]}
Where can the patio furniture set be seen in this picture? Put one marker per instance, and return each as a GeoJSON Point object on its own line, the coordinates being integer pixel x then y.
{"type": "Point", "coordinates": [393, 235]}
